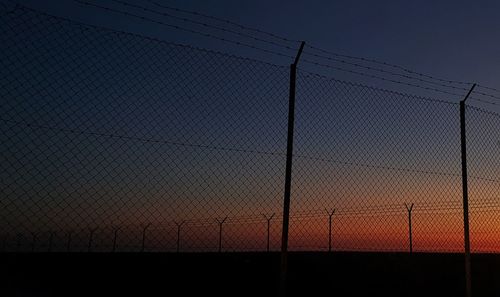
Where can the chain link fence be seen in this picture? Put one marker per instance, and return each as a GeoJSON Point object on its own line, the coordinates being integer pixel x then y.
{"type": "Point", "coordinates": [483, 144]}
{"type": "Point", "coordinates": [112, 141]}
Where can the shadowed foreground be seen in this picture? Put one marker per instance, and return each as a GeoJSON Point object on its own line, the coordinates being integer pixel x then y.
{"type": "Point", "coordinates": [248, 274]}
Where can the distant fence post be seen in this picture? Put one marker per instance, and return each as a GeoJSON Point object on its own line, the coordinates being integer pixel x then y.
{"type": "Point", "coordinates": [68, 243]}
{"type": "Point", "coordinates": [268, 219]}
{"type": "Point", "coordinates": [179, 225]}
{"type": "Point", "coordinates": [463, 141]}
{"type": "Point", "coordinates": [4, 242]}
{"type": "Point", "coordinates": [91, 238]}
{"type": "Point", "coordinates": [288, 173]}
{"type": "Point", "coordinates": [18, 242]}
{"type": "Point", "coordinates": [144, 236]}
{"type": "Point", "coordinates": [33, 241]}
{"type": "Point", "coordinates": [115, 235]}
{"type": "Point", "coordinates": [51, 237]}
{"type": "Point", "coordinates": [330, 215]}
{"type": "Point", "coordinates": [220, 232]}
{"type": "Point", "coordinates": [409, 209]}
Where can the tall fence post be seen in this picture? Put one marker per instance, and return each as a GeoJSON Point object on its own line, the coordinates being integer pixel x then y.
{"type": "Point", "coordinates": [268, 219]}
{"type": "Point", "coordinates": [410, 233]}
{"type": "Point", "coordinates": [144, 236]}
{"type": "Point", "coordinates": [288, 173]}
{"type": "Point", "coordinates": [220, 232]}
{"type": "Point", "coordinates": [330, 215]}
{"type": "Point", "coordinates": [179, 225]}
{"type": "Point", "coordinates": [463, 141]}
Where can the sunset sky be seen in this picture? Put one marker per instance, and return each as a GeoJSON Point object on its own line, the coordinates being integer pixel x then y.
{"type": "Point", "coordinates": [103, 128]}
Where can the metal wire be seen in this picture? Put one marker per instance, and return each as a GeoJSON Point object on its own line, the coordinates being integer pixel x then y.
{"type": "Point", "coordinates": [181, 28]}
{"type": "Point", "coordinates": [113, 141]}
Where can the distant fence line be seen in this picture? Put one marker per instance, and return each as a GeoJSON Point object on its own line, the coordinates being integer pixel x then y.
{"type": "Point", "coordinates": [60, 240]}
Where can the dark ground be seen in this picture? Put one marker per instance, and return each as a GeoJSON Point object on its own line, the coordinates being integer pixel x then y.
{"type": "Point", "coordinates": [245, 274]}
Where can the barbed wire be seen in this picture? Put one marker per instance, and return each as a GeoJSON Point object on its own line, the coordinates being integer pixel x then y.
{"type": "Point", "coordinates": [488, 88]}
{"type": "Point", "coordinates": [323, 50]}
{"type": "Point", "coordinates": [384, 71]}
{"type": "Point", "coordinates": [389, 65]}
{"type": "Point", "coordinates": [275, 44]}
{"type": "Point", "coordinates": [356, 84]}
{"type": "Point", "coordinates": [401, 75]}
{"type": "Point", "coordinates": [381, 78]}
{"type": "Point", "coordinates": [225, 21]}
{"type": "Point", "coordinates": [177, 27]}
{"type": "Point", "coordinates": [206, 25]}
{"type": "Point", "coordinates": [144, 37]}
{"type": "Point", "coordinates": [288, 47]}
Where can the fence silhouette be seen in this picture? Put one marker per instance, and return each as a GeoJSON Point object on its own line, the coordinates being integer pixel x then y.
{"type": "Point", "coordinates": [112, 141]}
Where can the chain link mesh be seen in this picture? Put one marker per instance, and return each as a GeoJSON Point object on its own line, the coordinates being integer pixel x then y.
{"type": "Point", "coordinates": [104, 130]}
{"type": "Point", "coordinates": [112, 141]}
{"type": "Point", "coordinates": [483, 145]}
{"type": "Point", "coordinates": [365, 153]}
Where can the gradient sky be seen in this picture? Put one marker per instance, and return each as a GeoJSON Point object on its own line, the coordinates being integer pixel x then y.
{"type": "Point", "coordinates": [452, 40]}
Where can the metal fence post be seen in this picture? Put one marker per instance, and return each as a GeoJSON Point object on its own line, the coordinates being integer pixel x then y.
{"type": "Point", "coordinates": [179, 225]}
{"type": "Point", "coordinates": [330, 215]}
{"type": "Point", "coordinates": [410, 233]}
{"type": "Point", "coordinates": [91, 238]}
{"type": "Point", "coordinates": [463, 141]}
{"type": "Point", "coordinates": [288, 173]}
{"type": "Point", "coordinates": [33, 242]}
{"type": "Point", "coordinates": [220, 233]}
{"type": "Point", "coordinates": [4, 242]}
{"type": "Point", "coordinates": [18, 242]}
{"type": "Point", "coordinates": [268, 219]}
{"type": "Point", "coordinates": [115, 235]}
{"type": "Point", "coordinates": [50, 241]}
{"type": "Point", "coordinates": [68, 244]}
{"type": "Point", "coordinates": [144, 236]}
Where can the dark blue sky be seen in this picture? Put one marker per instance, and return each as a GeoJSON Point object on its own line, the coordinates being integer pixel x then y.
{"type": "Point", "coordinates": [452, 39]}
